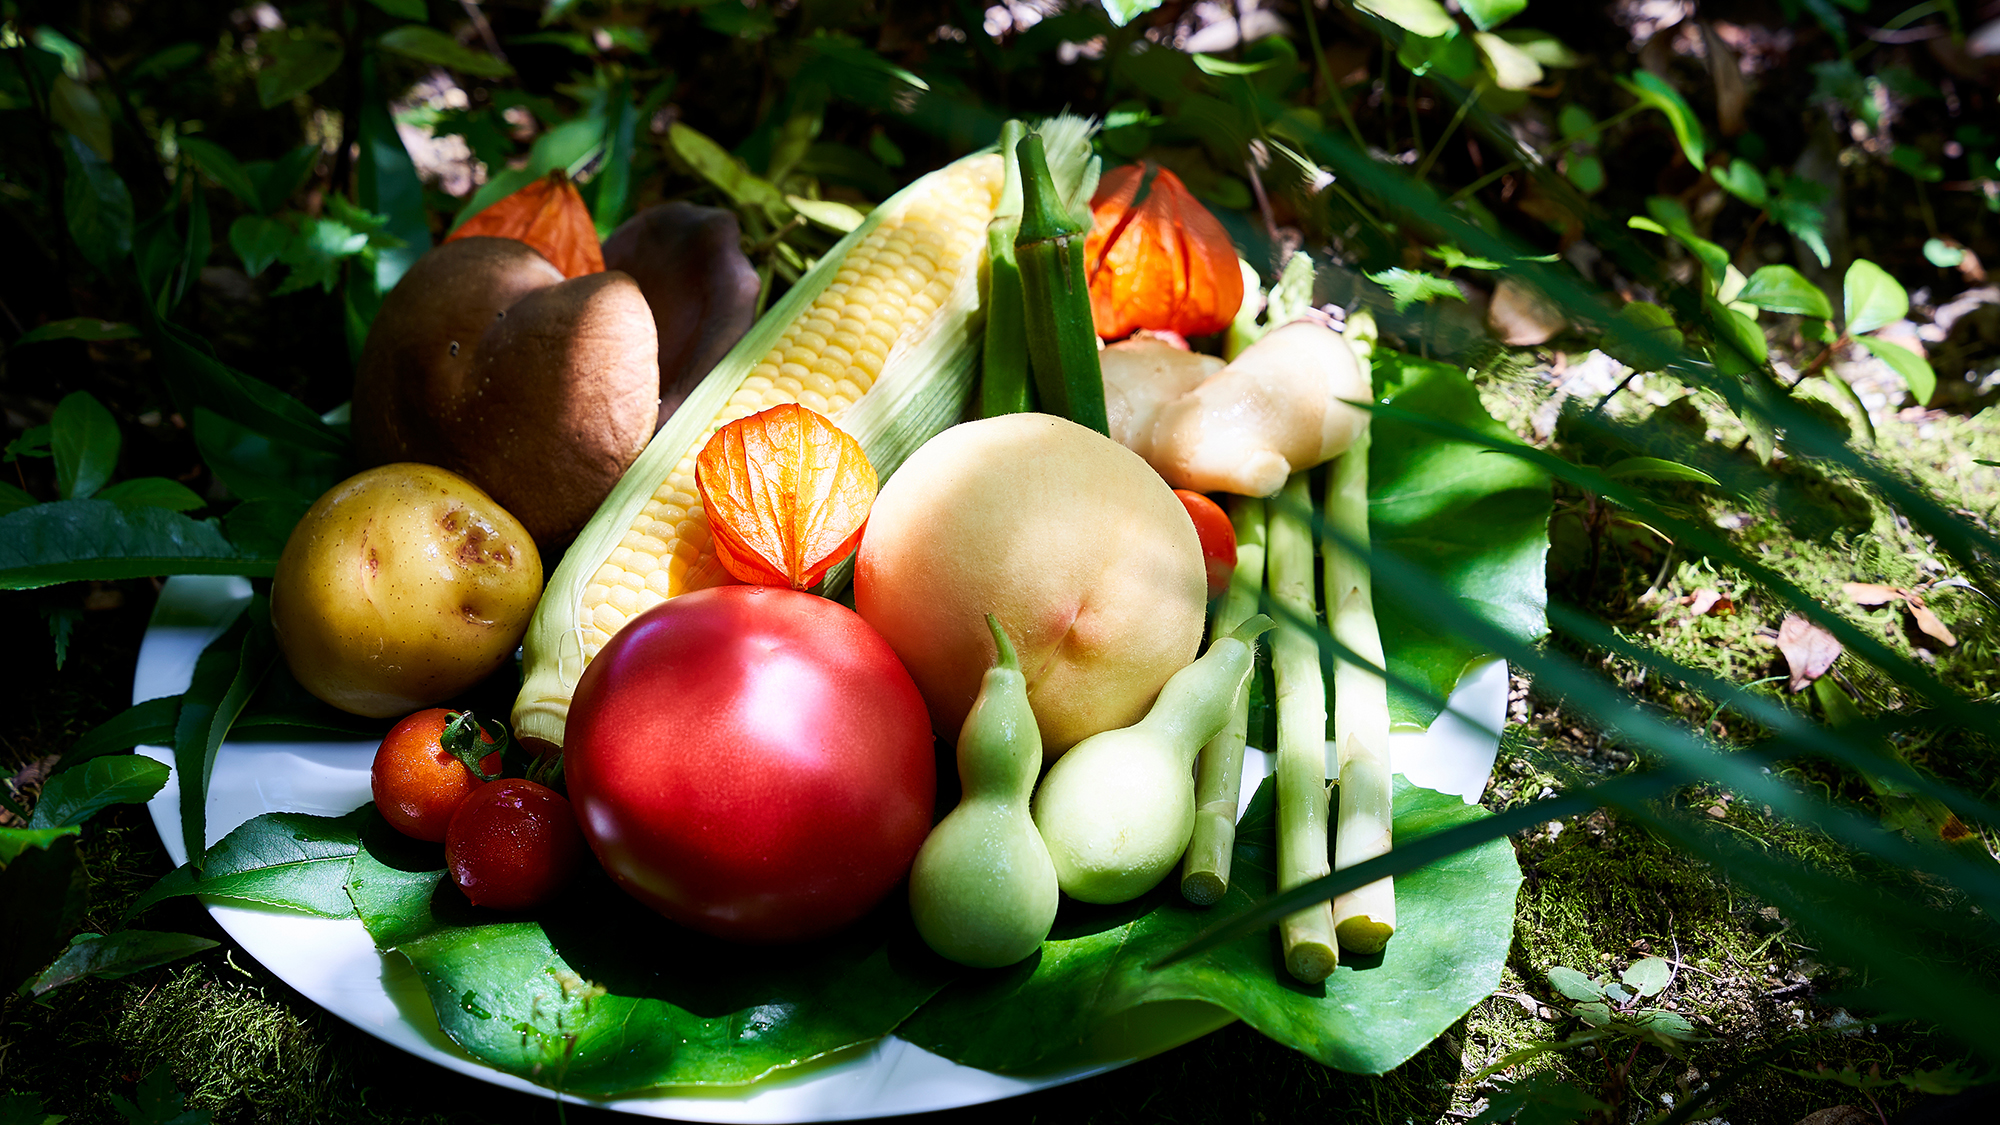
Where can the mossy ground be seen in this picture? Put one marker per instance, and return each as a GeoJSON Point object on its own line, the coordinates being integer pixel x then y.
{"type": "Point", "coordinates": [1600, 891]}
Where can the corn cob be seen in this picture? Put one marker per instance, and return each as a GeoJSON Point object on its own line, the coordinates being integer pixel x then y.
{"type": "Point", "coordinates": [882, 336]}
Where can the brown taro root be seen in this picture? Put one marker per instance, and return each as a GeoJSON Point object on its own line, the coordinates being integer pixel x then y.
{"type": "Point", "coordinates": [689, 262]}
{"type": "Point", "coordinates": [541, 391]}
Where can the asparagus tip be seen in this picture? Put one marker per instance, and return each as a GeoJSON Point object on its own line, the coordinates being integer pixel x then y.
{"type": "Point", "coordinates": [1311, 962]}
{"type": "Point", "coordinates": [1203, 888]}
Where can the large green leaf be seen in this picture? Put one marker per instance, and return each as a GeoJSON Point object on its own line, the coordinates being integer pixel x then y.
{"type": "Point", "coordinates": [1873, 298]}
{"type": "Point", "coordinates": [1653, 90]}
{"type": "Point", "coordinates": [1914, 369]}
{"type": "Point", "coordinates": [97, 205]}
{"type": "Point", "coordinates": [1476, 521]}
{"type": "Point", "coordinates": [1782, 289]}
{"type": "Point", "coordinates": [75, 540]}
{"type": "Point", "coordinates": [85, 440]}
{"type": "Point", "coordinates": [292, 860]}
{"type": "Point", "coordinates": [1455, 920]}
{"type": "Point", "coordinates": [74, 796]}
{"type": "Point", "coordinates": [225, 677]}
{"type": "Point", "coordinates": [597, 995]}
{"type": "Point", "coordinates": [428, 44]}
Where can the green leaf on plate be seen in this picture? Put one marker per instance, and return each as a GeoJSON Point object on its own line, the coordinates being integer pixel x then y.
{"type": "Point", "coordinates": [295, 60]}
{"type": "Point", "coordinates": [1091, 985]}
{"type": "Point", "coordinates": [293, 860]}
{"type": "Point", "coordinates": [74, 796]}
{"type": "Point", "coordinates": [111, 956]}
{"type": "Point", "coordinates": [428, 44]}
{"type": "Point", "coordinates": [78, 540]}
{"type": "Point", "coordinates": [85, 439]}
{"type": "Point", "coordinates": [87, 328]}
{"type": "Point", "coordinates": [1783, 289]}
{"type": "Point", "coordinates": [1915, 370]}
{"type": "Point", "coordinates": [1873, 298]}
{"type": "Point", "coordinates": [598, 995]}
{"type": "Point", "coordinates": [225, 677]}
{"type": "Point", "coordinates": [1476, 520]}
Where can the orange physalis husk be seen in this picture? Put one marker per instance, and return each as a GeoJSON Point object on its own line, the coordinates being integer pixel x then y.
{"type": "Point", "coordinates": [787, 494]}
{"type": "Point", "coordinates": [1162, 262]}
{"type": "Point", "coordinates": [548, 215]}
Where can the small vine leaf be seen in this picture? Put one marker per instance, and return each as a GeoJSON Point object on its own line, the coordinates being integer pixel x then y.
{"type": "Point", "coordinates": [1573, 984]}
{"type": "Point", "coordinates": [1596, 1014]}
{"type": "Point", "coordinates": [1648, 976]}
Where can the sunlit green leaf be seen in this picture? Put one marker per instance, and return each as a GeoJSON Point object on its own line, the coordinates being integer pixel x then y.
{"type": "Point", "coordinates": [723, 169]}
{"type": "Point", "coordinates": [315, 252]}
{"type": "Point", "coordinates": [1914, 369]}
{"type": "Point", "coordinates": [1653, 90]}
{"type": "Point", "coordinates": [1410, 287]}
{"type": "Point", "coordinates": [1782, 289]}
{"type": "Point", "coordinates": [1943, 254]}
{"type": "Point", "coordinates": [1510, 67]}
{"type": "Point", "coordinates": [1655, 468]}
{"type": "Point", "coordinates": [1541, 47]}
{"type": "Point", "coordinates": [1742, 180]}
{"type": "Point", "coordinates": [14, 841]}
{"type": "Point", "coordinates": [1586, 172]}
{"type": "Point", "coordinates": [1452, 55]}
{"type": "Point", "coordinates": [1123, 12]}
{"type": "Point", "coordinates": [1426, 18]}
{"type": "Point", "coordinates": [1873, 298]}
{"type": "Point", "coordinates": [1489, 14]}
{"type": "Point", "coordinates": [829, 213]}
{"type": "Point", "coordinates": [1224, 68]}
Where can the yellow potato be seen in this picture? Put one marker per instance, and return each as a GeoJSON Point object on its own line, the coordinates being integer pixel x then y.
{"type": "Point", "coordinates": [400, 588]}
{"type": "Point", "coordinates": [1085, 555]}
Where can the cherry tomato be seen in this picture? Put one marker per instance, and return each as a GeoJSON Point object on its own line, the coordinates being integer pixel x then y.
{"type": "Point", "coordinates": [752, 762]}
{"type": "Point", "coordinates": [417, 783]}
{"type": "Point", "coordinates": [512, 844]}
{"type": "Point", "coordinates": [1218, 538]}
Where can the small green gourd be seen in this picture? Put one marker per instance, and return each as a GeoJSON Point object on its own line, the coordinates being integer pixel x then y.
{"type": "Point", "coordinates": [1117, 810]}
{"type": "Point", "coordinates": [983, 891]}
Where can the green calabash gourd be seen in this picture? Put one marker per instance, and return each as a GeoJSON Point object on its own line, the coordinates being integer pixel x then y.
{"type": "Point", "coordinates": [983, 890]}
{"type": "Point", "coordinates": [1116, 811]}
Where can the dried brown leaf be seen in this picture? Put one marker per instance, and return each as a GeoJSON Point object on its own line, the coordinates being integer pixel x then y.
{"type": "Point", "coordinates": [1707, 602]}
{"type": "Point", "coordinates": [1928, 623]}
{"type": "Point", "coordinates": [1809, 650]}
{"type": "Point", "coordinates": [1871, 593]}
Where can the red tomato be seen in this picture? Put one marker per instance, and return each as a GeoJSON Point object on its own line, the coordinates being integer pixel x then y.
{"type": "Point", "coordinates": [417, 783]}
{"type": "Point", "coordinates": [752, 762]}
{"type": "Point", "coordinates": [512, 844]}
{"type": "Point", "coordinates": [1218, 538]}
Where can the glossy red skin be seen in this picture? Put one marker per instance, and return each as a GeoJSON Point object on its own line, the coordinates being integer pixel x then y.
{"type": "Point", "coordinates": [752, 762]}
{"type": "Point", "coordinates": [1218, 538]}
{"type": "Point", "coordinates": [512, 844]}
{"type": "Point", "coordinates": [416, 782]}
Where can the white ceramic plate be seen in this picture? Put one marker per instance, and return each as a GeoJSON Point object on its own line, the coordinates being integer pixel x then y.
{"type": "Point", "coordinates": [335, 964]}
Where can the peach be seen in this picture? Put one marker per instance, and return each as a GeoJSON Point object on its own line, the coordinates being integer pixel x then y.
{"type": "Point", "coordinates": [1077, 546]}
